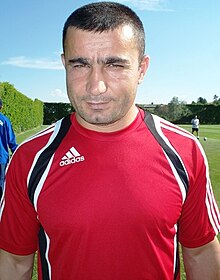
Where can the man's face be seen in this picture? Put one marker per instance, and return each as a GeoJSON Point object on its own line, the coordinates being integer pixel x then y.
{"type": "Point", "coordinates": [102, 73]}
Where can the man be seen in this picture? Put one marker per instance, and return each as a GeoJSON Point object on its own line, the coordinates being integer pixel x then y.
{"type": "Point", "coordinates": [7, 141]}
{"type": "Point", "coordinates": [103, 195]}
{"type": "Point", "coordinates": [195, 126]}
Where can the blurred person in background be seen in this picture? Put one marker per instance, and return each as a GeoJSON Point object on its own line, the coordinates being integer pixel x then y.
{"type": "Point", "coordinates": [195, 126]}
{"type": "Point", "coordinates": [7, 141]}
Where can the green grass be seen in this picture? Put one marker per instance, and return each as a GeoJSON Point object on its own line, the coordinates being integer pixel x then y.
{"type": "Point", "coordinates": [212, 150]}
{"type": "Point", "coordinates": [24, 135]}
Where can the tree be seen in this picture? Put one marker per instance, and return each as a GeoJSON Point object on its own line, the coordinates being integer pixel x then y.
{"type": "Point", "coordinates": [173, 111]}
{"type": "Point", "coordinates": [201, 100]}
{"type": "Point", "coordinates": [56, 111]}
{"type": "Point", "coordinates": [162, 111]}
{"type": "Point", "coordinates": [216, 99]}
{"type": "Point", "coordinates": [23, 112]}
{"type": "Point", "coordinates": [176, 109]}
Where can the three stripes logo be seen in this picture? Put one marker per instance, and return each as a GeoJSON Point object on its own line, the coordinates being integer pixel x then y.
{"type": "Point", "coordinates": [71, 157]}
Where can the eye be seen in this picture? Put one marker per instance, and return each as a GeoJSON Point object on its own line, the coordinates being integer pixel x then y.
{"type": "Point", "coordinates": [115, 65]}
{"type": "Point", "coordinates": [78, 65]}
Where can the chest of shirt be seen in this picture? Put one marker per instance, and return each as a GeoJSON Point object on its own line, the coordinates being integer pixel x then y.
{"type": "Point", "coordinates": [123, 183]}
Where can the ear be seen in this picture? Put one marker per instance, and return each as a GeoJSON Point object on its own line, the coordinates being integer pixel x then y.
{"type": "Point", "coordinates": [143, 68]}
{"type": "Point", "coordinates": [63, 60]}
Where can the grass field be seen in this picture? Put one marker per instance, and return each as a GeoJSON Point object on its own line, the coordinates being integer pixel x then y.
{"type": "Point", "coordinates": [211, 147]}
{"type": "Point", "coordinates": [24, 135]}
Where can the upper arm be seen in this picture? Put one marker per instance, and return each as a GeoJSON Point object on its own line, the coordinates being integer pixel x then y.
{"type": "Point", "coordinates": [15, 266]}
{"type": "Point", "coordinates": [11, 137]}
{"type": "Point", "coordinates": [202, 262]}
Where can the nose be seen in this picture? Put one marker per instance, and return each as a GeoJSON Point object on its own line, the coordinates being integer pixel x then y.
{"type": "Point", "coordinates": [96, 83]}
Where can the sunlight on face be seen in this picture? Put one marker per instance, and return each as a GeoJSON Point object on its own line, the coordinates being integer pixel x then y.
{"type": "Point", "coordinates": [127, 32]}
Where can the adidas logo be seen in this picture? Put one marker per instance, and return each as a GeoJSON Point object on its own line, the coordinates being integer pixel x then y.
{"type": "Point", "coordinates": [71, 157]}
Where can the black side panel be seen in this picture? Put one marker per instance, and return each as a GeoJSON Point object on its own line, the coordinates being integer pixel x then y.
{"type": "Point", "coordinates": [170, 153]}
{"type": "Point", "coordinates": [42, 252]}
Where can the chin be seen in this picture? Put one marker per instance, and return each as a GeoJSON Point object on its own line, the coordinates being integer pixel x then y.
{"type": "Point", "coordinates": [98, 119]}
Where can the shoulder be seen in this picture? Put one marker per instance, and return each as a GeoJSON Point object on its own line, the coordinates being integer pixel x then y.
{"type": "Point", "coordinates": [35, 143]}
{"type": "Point", "coordinates": [4, 118]}
{"type": "Point", "coordinates": [26, 153]}
{"type": "Point", "coordinates": [184, 142]}
{"type": "Point", "coordinates": [44, 138]}
{"type": "Point", "coordinates": [181, 139]}
{"type": "Point", "coordinates": [171, 130]}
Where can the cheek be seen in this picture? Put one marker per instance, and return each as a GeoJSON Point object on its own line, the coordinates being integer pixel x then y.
{"type": "Point", "coordinates": [125, 96]}
{"type": "Point", "coordinates": [74, 86]}
{"type": "Point", "coordinates": [127, 87]}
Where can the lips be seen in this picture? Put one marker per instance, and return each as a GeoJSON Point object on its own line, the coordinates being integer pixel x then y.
{"type": "Point", "coordinates": [98, 105]}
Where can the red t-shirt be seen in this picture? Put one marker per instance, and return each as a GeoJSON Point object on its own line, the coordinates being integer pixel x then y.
{"type": "Point", "coordinates": [108, 205]}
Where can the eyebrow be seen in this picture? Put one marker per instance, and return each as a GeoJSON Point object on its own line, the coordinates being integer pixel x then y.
{"type": "Point", "coordinates": [80, 60]}
{"type": "Point", "coordinates": [108, 60]}
{"type": "Point", "coordinates": [114, 59]}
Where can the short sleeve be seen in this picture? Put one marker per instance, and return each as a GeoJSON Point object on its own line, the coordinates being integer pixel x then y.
{"type": "Point", "coordinates": [199, 221]}
{"type": "Point", "coordinates": [19, 225]}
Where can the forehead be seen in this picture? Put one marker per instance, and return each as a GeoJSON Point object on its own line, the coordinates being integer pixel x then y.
{"type": "Point", "coordinates": [122, 37]}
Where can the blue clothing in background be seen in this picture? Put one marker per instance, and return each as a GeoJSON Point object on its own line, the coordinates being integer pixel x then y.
{"type": "Point", "coordinates": [7, 141]}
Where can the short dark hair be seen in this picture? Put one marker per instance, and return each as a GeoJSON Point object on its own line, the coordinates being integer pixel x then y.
{"type": "Point", "coordinates": [105, 16]}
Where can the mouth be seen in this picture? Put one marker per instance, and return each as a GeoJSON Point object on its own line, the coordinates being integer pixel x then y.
{"type": "Point", "coordinates": [101, 105]}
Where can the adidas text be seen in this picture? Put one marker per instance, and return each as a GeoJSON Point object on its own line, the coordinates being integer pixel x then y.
{"type": "Point", "coordinates": [71, 161]}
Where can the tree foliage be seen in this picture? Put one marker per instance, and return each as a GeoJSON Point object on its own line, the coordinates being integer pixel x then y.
{"type": "Point", "coordinates": [207, 113]}
{"type": "Point", "coordinates": [216, 99]}
{"type": "Point", "coordinates": [23, 112]}
{"type": "Point", "coordinates": [173, 110]}
{"type": "Point", "coordinates": [201, 100]}
{"type": "Point", "coordinates": [179, 112]}
{"type": "Point", "coordinates": [56, 111]}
